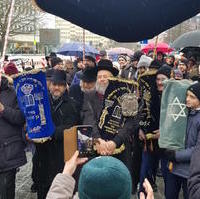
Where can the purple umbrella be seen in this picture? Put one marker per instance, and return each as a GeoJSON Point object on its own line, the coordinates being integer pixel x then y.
{"type": "Point", "coordinates": [113, 53]}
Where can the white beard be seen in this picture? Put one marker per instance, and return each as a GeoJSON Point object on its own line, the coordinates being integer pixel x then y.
{"type": "Point", "coordinates": [101, 89]}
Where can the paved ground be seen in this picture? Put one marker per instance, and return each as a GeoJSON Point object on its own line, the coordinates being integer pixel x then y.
{"type": "Point", "coordinates": [24, 182]}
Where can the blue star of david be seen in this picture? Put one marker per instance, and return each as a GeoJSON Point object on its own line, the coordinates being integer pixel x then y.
{"type": "Point", "coordinates": [177, 109]}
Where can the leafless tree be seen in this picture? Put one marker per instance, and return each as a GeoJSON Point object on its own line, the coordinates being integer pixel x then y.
{"type": "Point", "coordinates": [24, 19]}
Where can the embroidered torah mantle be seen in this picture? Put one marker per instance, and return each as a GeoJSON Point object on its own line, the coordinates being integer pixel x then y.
{"type": "Point", "coordinates": [173, 115]}
{"type": "Point", "coordinates": [33, 101]}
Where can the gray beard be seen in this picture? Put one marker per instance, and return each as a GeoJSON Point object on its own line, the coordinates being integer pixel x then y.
{"type": "Point", "coordinates": [101, 89]}
{"type": "Point", "coordinates": [88, 90]}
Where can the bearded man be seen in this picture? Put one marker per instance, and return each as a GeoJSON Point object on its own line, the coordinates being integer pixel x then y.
{"type": "Point", "coordinates": [93, 101]}
{"type": "Point", "coordinates": [64, 115]}
{"type": "Point", "coordinates": [86, 85]}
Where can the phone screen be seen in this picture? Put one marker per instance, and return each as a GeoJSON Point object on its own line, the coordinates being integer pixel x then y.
{"type": "Point", "coordinates": [85, 142]}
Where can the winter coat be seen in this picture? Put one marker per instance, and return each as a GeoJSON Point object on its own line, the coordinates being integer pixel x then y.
{"type": "Point", "coordinates": [182, 164]}
{"type": "Point", "coordinates": [91, 110]}
{"type": "Point", "coordinates": [62, 187]}
{"type": "Point", "coordinates": [194, 178]}
{"type": "Point", "coordinates": [129, 72]}
{"type": "Point", "coordinates": [12, 154]}
{"type": "Point", "coordinates": [76, 94]}
{"type": "Point", "coordinates": [51, 153]}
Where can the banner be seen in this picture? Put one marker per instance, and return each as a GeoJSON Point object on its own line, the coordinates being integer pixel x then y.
{"type": "Point", "coordinates": [32, 96]}
{"type": "Point", "coordinates": [120, 101]}
{"type": "Point", "coordinates": [150, 101]}
{"type": "Point", "coordinates": [173, 115]}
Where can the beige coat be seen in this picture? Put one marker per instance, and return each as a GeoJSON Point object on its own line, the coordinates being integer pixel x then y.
{"type": "Point", "coordinates": [62, 187]}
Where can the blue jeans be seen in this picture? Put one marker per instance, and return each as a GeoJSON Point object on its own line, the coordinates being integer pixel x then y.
{"type": "Point", "coordinates": [150, 162]}
{"type": "Point", "coordinates": [174, 184]}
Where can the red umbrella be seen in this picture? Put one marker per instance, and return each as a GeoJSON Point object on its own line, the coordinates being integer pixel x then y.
{"type": "Point", "coordinates": [161, 47]}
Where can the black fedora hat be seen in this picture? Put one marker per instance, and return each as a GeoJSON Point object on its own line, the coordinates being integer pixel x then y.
{"type": "Point", "coordinates": [89, 75]}
{"type": "Point", "coordinates": [49, 73]}
{"type": "Point", "coordinates": [59, 77]}
{"type": "Point", "coordinates": [107, 65]}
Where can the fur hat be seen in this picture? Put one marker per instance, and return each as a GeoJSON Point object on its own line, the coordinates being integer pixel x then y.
{"type": "Point", "coordinates": [144, 61]}
{"type": "Point", "coordinates": [195, 89]}
{"type": "Point", "coordinates": [104, 177]}
{"type": "Point", "coordinates": [11, 69]}
{"type": "Point", "coordinates": [89, 75]}
{"type": "Point", "coordinates": [107, 65]}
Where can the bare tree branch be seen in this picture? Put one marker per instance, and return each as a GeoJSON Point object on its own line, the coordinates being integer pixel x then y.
{"type": "Point", "coordinates": [24, 18]}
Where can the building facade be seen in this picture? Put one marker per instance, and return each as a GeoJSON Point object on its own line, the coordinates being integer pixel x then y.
{"type": "Point", "coordinates": [70, 32]}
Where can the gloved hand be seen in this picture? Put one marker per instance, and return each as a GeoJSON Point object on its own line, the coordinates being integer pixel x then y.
{"type": "Point", "coordinates": [170, 155]}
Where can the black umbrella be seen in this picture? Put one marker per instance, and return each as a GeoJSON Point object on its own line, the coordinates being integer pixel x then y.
{"type": "Point", "coordinates": [192, 52]}
{"type": "Point", "coordinates": [123, 20]}
{"type": "Point", "coordinates": [189, 39]}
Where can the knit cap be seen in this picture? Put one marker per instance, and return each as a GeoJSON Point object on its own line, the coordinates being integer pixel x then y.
{"type": "Point", "coordinates": [11, 69]}
{"type": "Point", "coordinates": [195, 89]}
{"type": "Point", "coordinates": [104, 178]}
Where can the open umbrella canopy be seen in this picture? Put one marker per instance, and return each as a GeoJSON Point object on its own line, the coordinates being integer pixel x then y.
{"type": "Point", "coordinates": [120, 50]}
{"type": "Point", "coordinates": [192, 52]}
{"type": "Point", "coordinates": [113, 53]}
{"type": "Point", "coordinates": [161, 47]}
{"type": "Point", "coordinates": [76, 49]}
{"type": "Point", "coordinates": [123, 20]}
{"type": "Point", "coordinates": [189, 39]}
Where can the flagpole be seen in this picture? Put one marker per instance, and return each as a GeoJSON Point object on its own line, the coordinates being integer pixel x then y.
{"type": "Point", "coordinates": [7, 31]}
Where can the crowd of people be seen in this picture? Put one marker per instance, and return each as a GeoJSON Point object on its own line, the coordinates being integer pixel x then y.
{"type": "Point", "coordinates": [76, 95]}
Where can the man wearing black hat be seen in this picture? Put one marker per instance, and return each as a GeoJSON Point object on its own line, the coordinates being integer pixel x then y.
{"type": "Point", "coordinates": [87, 85]}
{"type": "Point", "coordinates": [65, 115]}
{"type": "Point", "coordinates": [93, 104]}
{"type": "Point", "coordinates": [89, 62]}
{"type": "Point", "coordinates": [150, 125]}
{"type": "Point", "coordinates": [93, 101]}
{"type": "Point", "coordinates": [129, 71]}
{"type": "Point", "coordinates": [48, 59]}
{"type": "Point", "coordinates": [57, 63]}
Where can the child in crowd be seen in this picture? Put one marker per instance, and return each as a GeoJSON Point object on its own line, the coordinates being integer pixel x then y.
{"type": "Point", "coordinates": [177, 178]}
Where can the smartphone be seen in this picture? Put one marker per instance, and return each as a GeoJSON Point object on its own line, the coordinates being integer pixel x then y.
{"type": "Point", "coordinates": [85, 142]}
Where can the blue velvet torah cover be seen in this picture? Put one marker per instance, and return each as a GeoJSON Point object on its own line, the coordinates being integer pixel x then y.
{"type": "Point", "coordinates": [32, 96]}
